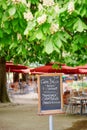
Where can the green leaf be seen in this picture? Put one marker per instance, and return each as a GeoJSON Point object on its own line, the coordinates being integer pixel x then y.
{"type": "Point", "coordinates": [34, 1]}
{"type": "Point", "coordinates": [4, 4]}
{"type": "Point", "coordinates": [1, 33]}
{"type": "Point", "coordinates": [39, 34]}
{"type": "Point", "coordinates": [58, 40]}
{"type": "Point", "coordinates": [26, 31]}
{"type": "Point", "coordinates": [45, 27]}
{"type": "Point", "coordinates": [8, 31]}
{"type": "Point", "coordinates": [12, 11]}
{"type": "Point", "coordinates": [55, 66]}
{"type": "Point", "coordinates": [79, 25]}
{"type": "Point", "coordinates": [32, 36]}
{"type": "Point", "coordinates": [56, 48]}
{"type": "Point", "coordinates": [83, 10]}
{"type": "Point", "coordinates": [30, 26]}
{"type": "Point", "coordinates": [14, 22]}
{"type": "Point", "coordinates": [48, 46]}
{"type": "Point", "coordinates": [5, 17]}
{"type": "Point", "coordinates": [58, 43]}
{"type": "Point", "coordinates": [50, 19]}
{"type": "Point", "coordinates": [75, 47]}
{"type": "Point", "coordinates": [19, 50]}
{"type": "Point", "coordinates": [12, 45]}
{"type": "Point", "coordinates": [62, 38]}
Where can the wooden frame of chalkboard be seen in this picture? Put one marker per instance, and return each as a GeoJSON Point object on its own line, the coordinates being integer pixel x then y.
{"type": "Point", "coordinates": [50, 94]}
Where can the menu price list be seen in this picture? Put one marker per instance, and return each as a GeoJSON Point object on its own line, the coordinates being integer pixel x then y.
{"type": "Point", "coordinates": [50, 92]}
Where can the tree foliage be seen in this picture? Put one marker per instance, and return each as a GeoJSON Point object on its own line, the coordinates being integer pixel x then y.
{"type": "Point", "coordinates": [44, 31]}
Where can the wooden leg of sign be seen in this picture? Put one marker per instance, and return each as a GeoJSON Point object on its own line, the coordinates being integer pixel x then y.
{"type": "Point", "coordinates": [50, 122]}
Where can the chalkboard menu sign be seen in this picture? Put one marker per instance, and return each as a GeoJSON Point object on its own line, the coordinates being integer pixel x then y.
{"type": "Point", "coordinates": [50, 93]}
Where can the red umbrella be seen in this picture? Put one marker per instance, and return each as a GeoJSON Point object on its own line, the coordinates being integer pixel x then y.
{"type": "Point", "coordinates": [18, 70]}
{"type": "Point", "coordinates": [49, 69]}
{"type": "Point", "coordinates": [68, 70]}
{"type": "Point", "coordinates": [10, 67]}
{"type": "Point", "coordinates": [44, 69]}
{"type": "Point", "coordinates": [82, 67]}
{"type": "Point", "coordinates": [82, 71]}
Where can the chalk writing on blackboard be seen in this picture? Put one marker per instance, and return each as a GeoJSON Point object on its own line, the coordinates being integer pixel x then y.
{"type": "Point", "coordinates": [50, 92]}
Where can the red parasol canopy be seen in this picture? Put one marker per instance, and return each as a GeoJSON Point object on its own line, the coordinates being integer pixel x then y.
{"type": "Point", "coordinates": [82, 71]}
{"type": "Point", "coordinates": [63, 69]}
{"type": "Point", "coordinates": [10, 67]}
{"type": "Point", "coordinates": [82, 67]}
{"type": "Point", "coordinates": [49, 69]}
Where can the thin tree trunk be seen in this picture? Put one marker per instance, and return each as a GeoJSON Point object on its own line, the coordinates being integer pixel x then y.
{"type": "Point", "coordinates": [3, 89]}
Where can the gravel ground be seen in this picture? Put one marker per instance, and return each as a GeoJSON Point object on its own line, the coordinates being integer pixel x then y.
{"type": "Point", "coordinates": [24, 116]}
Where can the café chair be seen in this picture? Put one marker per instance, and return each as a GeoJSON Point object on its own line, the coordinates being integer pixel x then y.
{"type": "Point", "coordinates": [71, 106]}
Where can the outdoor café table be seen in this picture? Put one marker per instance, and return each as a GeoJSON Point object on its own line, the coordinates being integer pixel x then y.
{"type": "Point", "coordinates": [82, 100]}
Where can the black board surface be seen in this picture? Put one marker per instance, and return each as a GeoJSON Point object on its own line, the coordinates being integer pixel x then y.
{"type": "Point", "coordinates": [50, 94]}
